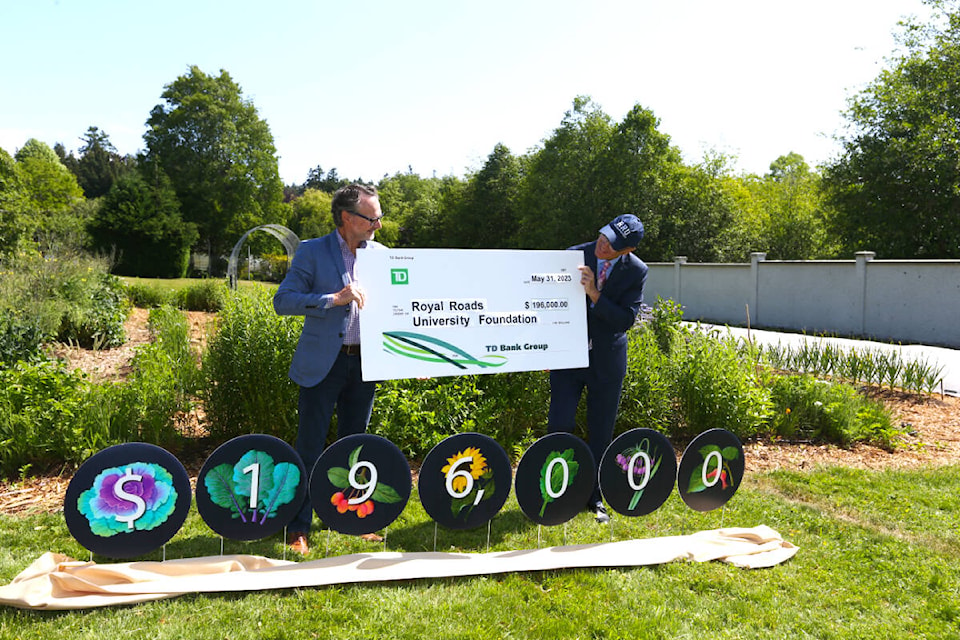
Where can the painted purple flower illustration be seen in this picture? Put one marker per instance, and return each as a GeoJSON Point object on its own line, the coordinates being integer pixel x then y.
{"type": "Point", "coordinates": [136, 497]}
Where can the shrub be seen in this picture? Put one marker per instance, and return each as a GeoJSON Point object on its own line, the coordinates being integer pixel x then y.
{"type": "Point", "coordinates": [147, 296]}
{"type": "Point", "coordinates": [245, 384]}
{"type": "Point", "coordinates": [646, 400]}
{"type": "Point", "coordinates": [716, 387]}
{"type": "Point", "coordinates": [94, 311]}
{"type": "Point", "coordinates": [819, 410]}
{"type": "Point", "coordinates": [21, 338]}
{"type": "Point", "coordinates": [417, 414]}
{"type": "Point", "coordinates": [205, 295]}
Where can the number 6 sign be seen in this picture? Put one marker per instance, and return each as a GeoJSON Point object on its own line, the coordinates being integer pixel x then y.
{"type": "Point", "coordinates": [465, 480]}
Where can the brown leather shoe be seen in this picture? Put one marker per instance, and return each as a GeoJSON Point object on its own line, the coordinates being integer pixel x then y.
{"type": "Point", "coordinates": [297, 541]}
{"type": "Point", "coordinates": [372, 537]}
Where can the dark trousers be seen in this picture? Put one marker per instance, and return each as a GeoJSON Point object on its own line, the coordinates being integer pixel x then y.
{"type": "Point", "coordinates": [603, 380]}
{"type": "Point", "coordinates": [344, 389]}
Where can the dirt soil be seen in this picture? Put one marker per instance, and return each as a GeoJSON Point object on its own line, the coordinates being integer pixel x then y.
{"type": "Point", "coordinates": [932, 423]}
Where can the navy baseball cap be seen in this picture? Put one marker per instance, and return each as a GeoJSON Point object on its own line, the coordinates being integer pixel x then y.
{"type": "Point", "coordinates": [624, 231]}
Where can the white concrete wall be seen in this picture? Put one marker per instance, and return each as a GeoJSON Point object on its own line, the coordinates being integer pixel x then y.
{"type": "Point", "coordinates": [910, 301]}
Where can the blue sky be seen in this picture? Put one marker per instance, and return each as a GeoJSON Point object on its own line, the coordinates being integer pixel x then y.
{"type": "Point", "coordinates": [374, 87]}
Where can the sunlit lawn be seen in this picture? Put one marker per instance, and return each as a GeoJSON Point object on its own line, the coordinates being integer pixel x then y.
{"type": "Point", "coordinates": [877, 559]}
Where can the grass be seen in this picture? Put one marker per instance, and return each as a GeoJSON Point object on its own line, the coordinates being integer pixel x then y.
{"type": "Point", "coordinates": [877, 559]}
{"type": "Point", "coordinates": [172, 285]}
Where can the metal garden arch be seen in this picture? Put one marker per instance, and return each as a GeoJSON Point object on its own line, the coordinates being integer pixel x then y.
{"type": "Point", "coordinates": [286, 236]}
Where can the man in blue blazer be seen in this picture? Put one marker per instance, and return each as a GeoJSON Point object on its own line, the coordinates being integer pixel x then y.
{"type": "Point", "coordinates": [613, 280]}
{"type": "Point", "coordinates": [320, 286]}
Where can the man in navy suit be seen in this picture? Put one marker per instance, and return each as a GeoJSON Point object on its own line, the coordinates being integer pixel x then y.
{"type": "Point", "coordinates": [613, 280]}
{"type": "Point", "coordinates": [320, 286]}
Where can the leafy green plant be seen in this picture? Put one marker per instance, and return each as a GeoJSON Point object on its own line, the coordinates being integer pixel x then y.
{"type": "Point", "coordinates": [665, 323]}
{"type": "Point", "coordinates": [715, 387]}
{"type": "Point", "coordinates": [203, 295]}
{"type": "Point", "coordinates": [147, 296]}
{"type": "Point", "coordinates": [43, 410]}
{"type": "Point", "coordinates": [95, 310]}
{"type": "Point", "coordinates": [417, 414]}
{"type": "Point", "coordinates": [808, 408]}
{"type": "Point", "coordinates": [245, 385]}
{"type": "Point", "coordinates": [648, 389]}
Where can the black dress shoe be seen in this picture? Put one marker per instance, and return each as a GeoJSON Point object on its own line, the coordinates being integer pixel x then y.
{"type": "Point", "coordinates": [599, 513]}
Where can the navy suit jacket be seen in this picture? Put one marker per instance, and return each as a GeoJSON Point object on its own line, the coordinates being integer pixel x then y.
{"type": "Point", "coordinates": [317, 269]}
{"type": "Point", "coordinates": [615, 312]}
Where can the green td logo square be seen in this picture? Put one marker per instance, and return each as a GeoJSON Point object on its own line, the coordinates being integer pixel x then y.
{"type": "Point", "coordinates": [399, 276]}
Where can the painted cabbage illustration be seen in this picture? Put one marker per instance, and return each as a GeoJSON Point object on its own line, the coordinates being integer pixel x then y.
{"type": "Point", "coordinates": [232, 486]}
{"type": "Point", "coordinates": [139, 496]}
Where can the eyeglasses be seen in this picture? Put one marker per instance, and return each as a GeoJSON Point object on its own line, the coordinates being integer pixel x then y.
{"type": "Point", "coordinates": [368, 219]}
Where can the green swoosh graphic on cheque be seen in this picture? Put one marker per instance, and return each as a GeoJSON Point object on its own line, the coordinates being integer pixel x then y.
{"type": "Point", "coordinates": [429, 349]}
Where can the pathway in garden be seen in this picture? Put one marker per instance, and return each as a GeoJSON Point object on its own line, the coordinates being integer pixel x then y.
{"type": "Point", "coordinates": [949, 359]}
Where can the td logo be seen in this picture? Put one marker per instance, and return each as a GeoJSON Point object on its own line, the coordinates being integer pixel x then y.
{"type": "Point", "coordinates": [399, 276]}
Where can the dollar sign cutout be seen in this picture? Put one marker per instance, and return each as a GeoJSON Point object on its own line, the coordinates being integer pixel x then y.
{"type": "Point", "coordinates": [129, 497]}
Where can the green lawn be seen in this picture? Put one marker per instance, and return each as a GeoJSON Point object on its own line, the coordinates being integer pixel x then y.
{"type": "Point", "coordinates": [878, 559]}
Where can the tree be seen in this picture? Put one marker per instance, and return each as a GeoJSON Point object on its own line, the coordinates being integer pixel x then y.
{"type": "Point", "coordinates": [561, 203]}
{"type": "Point", "coordinates": [896, 185]}
{"type": "Point", "coordinates": [784, 212]}
{"type": "Point", "coordinates": [12, 222]}
{"type": "Point", "coordinates": [51, 194]}
{"type": "Point", "coordinates": [219, 156]}
{"type": "Point", "coordinates": [139, 223]}
{"type": "Point", "coordinates": [488, 217]}
{"type": "Point", "coordinates": [310, 217]}
{"type": "Point", "coordinates": [99, 164]}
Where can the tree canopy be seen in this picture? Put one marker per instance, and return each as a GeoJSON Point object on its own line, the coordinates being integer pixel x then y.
{"type": "Point", "coordinates": [219, 155]}
{"type": "Point", "coordinates": [896, 186]}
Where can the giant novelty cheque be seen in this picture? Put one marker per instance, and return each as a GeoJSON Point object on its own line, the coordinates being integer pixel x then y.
{"type": "Point", "coordinates": [443, 312]}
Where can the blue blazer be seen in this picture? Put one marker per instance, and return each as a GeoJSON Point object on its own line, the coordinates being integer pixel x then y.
{"type": "Point", "coordinates": [317, 269]}
{"type": "Point", "coordinates": [619, 304]}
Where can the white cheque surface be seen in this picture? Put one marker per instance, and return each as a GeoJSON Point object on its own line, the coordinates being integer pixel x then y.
{"type": "Point", "coordinates": [448, 312]}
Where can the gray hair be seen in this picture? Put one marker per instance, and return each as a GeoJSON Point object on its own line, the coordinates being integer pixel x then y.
{"type": "Point", "coordinates": [347, 198]}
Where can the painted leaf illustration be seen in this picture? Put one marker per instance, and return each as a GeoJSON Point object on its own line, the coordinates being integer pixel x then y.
{"type": "Point", "coordinates": [286, 479]}
{"type": "Point", "coordinates": [354, 457]}
{"type": "Point", "coordinates": [696, 481]}
{"type": "Point", "coordinates": [243, 475]}
{"type": "Point", "coordinates": [385, 493]}
{"type": "Point", "coordinates": [469, 501]}
{"type": "Point", "coordinates": [708, 449]}
{"type": "Point", "coordinates": [730, 453]}
{"type": "Point", "coordinates": [220, 486]}
{"type": "Point", "coordinates": [555, 481]}
{"type": "Point", "coordinates": [339, 477]}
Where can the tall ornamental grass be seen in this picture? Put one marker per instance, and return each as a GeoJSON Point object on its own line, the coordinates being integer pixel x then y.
{"type": "Point", "coordinates": [245, 384]}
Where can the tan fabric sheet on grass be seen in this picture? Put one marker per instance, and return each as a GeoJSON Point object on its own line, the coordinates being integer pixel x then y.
{"type": "Point", "coordinates": [55, 581]}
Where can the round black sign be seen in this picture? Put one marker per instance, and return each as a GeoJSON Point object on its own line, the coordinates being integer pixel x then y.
{"type": "Point", "coordinates": [360, 484]}
{"type": "Point", "coordinates": [251, 487]}
{"type": "Point", "coordinates": [638, 471]}
{"type": "Point", "coordinates": [127, 500]}
{"type": "Point", "coordinates": [555, 478]}
{"type": "Point", "coordinates": [464, 481]}
{"type": "Point", "coordinates": [711, 470]}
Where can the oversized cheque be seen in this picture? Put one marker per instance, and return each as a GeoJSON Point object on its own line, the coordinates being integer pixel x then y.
{"type": "Point", "coordinates": [447, 312]}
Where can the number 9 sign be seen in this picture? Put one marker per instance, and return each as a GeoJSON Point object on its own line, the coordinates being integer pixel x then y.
{"type": "Point", "coordinates": [360, 484]}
